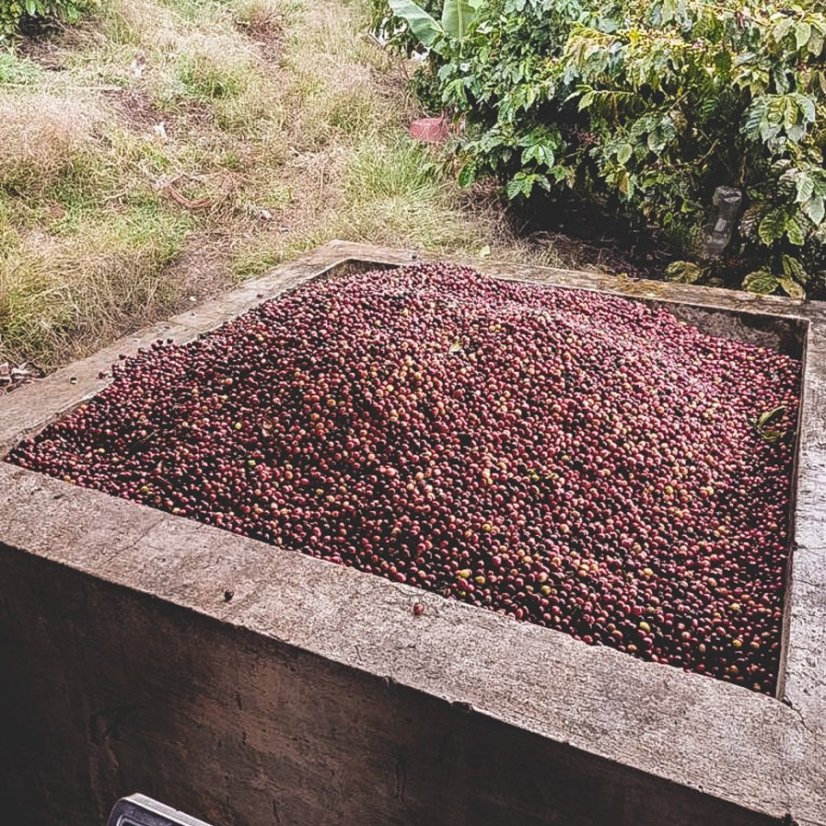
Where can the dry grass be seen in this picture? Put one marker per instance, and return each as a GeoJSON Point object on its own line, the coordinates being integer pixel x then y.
{"type": "Point", "coordinates": [262, 18]}
{"type": "Point", "coordinates": [66, 294]}
{"type": "Point", "coordinates": [169, 147]}
{"type": "Point", "coordinates": [215, 66]}
{"type": "Point", "coordinates": [41, 135]}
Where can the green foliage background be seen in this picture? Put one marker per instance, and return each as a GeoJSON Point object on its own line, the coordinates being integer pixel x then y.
{"type": "Point", "coordinates": [643, 107]}
{"type": "Point", "coordinates": [14, 12]}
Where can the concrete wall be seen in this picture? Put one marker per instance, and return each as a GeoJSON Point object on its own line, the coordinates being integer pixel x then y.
{"type": "Point", "coordinates": [105, 691]}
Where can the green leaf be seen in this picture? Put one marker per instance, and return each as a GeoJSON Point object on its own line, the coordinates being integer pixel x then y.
{"type": "Point", "coordinates": [782, 28]}
{"type": "Point", "coordinates": [805, 187]}
{"type": "Point", "coordinates": [585, 101]}
{"type": "Point", "coordinates": [655, 141]}
{"type": "Point", "coordinates": [765, 418]}
{"type": "Point", "coordinates": [458, 17]}
{"type": "Point", "coordinates": [807, 108]}
{"type": "Point", "coordinates": [683, 272]}
{"type": "Point", "coordinates": [516, 187]}
{"type": "Point", "coordinates": [422, 25]}
{"type": "Point", "coordinates": [794, 270]}
{"type": "Point", "coordinates": [815, 209]}
{"type": "Point", "coordinates": [816, 42]}
{"type": "Point", "coordinates": [795, 232]}
{"type": "Point", "coordinates": [467, 174]}
{"type": "Point", "coordinates": [624, 183]}
{"type": "Point", "coordinates": [791, 288]}
{"type": "Point", "coordinates": [761, 282]}
{"type": "Point", "coordinates": [772, 436]}
{"type": "Point", "coordinates": [769, 415]}
{"type": "Point", "coordinates": [624, 153]}
{"type": "Point", "coordinates": [772, 226]}
{"type": "Point", "coordinates": [802, 33]}
{"type": "Point", "coordinates": [540, 154]}
{"type": "Point", "coordinates": [522, 184]}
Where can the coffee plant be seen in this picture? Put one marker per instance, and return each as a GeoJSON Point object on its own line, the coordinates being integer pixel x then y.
{"type": "Point", "coordinates": [643, 108]}
{"type": "Point", "coordinates": [13, 13]}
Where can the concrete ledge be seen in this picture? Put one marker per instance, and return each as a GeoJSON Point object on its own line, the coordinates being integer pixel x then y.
{"type": "Point", "coordinates": [125, 656]}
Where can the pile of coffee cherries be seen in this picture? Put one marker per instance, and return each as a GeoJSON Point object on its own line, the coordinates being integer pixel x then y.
{"type": "Point", "coordinates": [577, 460]}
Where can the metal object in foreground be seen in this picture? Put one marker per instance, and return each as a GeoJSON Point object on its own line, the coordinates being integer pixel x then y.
{"type": "Point", "coordinates": [140, 810]}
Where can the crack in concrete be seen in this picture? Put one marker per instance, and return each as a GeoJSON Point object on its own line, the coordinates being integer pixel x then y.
{"type": "Point", "coordinates": [788, 703]}
{"type": "Point", "coordinates": [134, 542]}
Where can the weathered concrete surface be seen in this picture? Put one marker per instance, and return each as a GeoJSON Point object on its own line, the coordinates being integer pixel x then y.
{"type": "Point", "coordinates": [131, 671]}
{"type": "Point", "coordinates": [243, 730]}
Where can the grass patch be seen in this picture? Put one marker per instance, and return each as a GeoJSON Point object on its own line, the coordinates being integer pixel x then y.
{"type": "Point", "coordinates": [17, 70]}
{"type": "Point", "coordinates": [61, 295]}
{"type": "Point", "coordinates": [396, 189]}
{"type": "Point", "coordinates": [214, 67]}
{"type": "Point", "coordinates": [41, 136]}
{"type": "Point", "coordinates": [393, 168]}
{"type": "Point", "coordinates": [264, 17]}
{"type": "Point", "coordinates": [353, 111]}
{"type": "Point", "coordinates": [167, 148]}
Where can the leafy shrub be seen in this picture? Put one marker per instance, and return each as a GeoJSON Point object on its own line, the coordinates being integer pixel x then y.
{"type": "Point", "coordinates": [644, 107]}
{"type": "Point", "coordinates": [393, 30]}
{"type": "Point", "coordinates": [14, 12]}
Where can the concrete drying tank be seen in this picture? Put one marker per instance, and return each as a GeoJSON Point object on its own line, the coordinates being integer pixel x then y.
{"type": "Point", "coordinates": [315, 696]}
